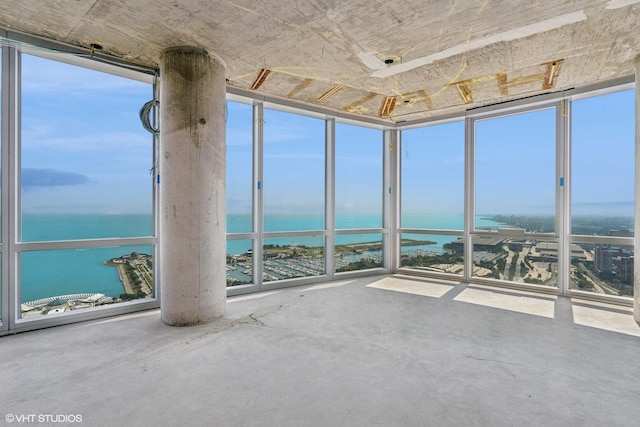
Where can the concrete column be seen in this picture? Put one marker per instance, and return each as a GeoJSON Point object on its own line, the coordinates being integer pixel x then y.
{"type": "Point", "coordinates": [636, 239]}
{"type": "Point", "coordinates": [192, 187]}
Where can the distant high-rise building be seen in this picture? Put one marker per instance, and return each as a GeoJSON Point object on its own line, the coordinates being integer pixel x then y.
{"type": "Point", "coordinates": [614, 261]}
{"type": "Point", "coordinates": [626, 270]}
{"type": "Point", "coordinates": [621, 233]}
{"type": "Point", "coordinates": [603, 259]}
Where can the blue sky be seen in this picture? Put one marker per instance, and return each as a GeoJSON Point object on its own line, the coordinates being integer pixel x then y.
{"type": "Point", "coordinates": [239, 158]}
{"type": "Point", "coordinates": [603, 135]}
{"type": "Point", "coordinates": [85, 151]}
{"type": "Point", "coordinates": [83, 147]}
{"type": "Point", "coordinates": [432, 160]}
{"type": "Point", "coordinates": [294, 163]}
{"type": "Point", "coordinates": [514, 162]}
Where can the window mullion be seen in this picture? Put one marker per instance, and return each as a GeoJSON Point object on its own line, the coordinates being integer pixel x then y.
{"type": "Point", "coordinates": [258, 199]}
{"type": "Point", "coordinates": [330, 180]}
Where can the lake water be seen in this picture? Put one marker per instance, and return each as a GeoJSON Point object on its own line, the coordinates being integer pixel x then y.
{"type": "Point", "coordinates": [70, 271]}
{"type": "Point", "coordinates": [275, 223]}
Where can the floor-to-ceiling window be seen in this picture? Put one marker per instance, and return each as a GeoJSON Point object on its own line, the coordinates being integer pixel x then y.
{"type": "Point", "coordinates": [602, 193]}
{"type": "Point", "coordinates": [78, 173]}
{"type": "Point", "coordinates": [293, 187]}
{"type": "Point", "coordinates": [239, 178]}
{"type": "Point", "coordinates": [514, 232]}
{"type": "Point", "coordinates": [551, 194]}
{"type": "Point", "coordinates": [358, 198]}
{"type": "Point", "coordinates": [304, 197]}
{"type": "Point", "coordinates": [517, 215]}
{"type": "Point", "coordinates": [85, 177]}
{"type": "Point", "coordinates": [78, 193]}
{"type": "Point", "coordinates": [432, 184]}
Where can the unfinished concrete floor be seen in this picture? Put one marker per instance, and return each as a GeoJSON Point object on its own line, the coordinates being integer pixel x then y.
{"type": "Point", "coordinates": [389, 351]}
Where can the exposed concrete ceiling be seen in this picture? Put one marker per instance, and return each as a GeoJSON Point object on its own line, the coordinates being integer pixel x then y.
{"type": "Point", "coordinates": [395, 59]}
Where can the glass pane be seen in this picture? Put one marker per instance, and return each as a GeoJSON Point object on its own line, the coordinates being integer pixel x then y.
{"type": "Point", "coordinates": [37, 227]}
{"type": "Point", "coordinates": [358, 177]}
{"type": "Point", "coordinates": [239, 262]}
{"type": "Point", "coordinates": [293, 222]}
{"type": "Point", "coordinates": [294, 153]}
{"type": "Point", "coordinates": [287, 258]}
{"type": "Point", "coordinates": [86, 159]}
{"type": "Point", "coordinates": [239, 167]}
{"type": "Point", "coordinates": [602, 164]}
{"type": "Point", "coordinates": [433, 177]}
{"type": "Point", "coordinates": [515, 171]}
{"type": "Point", "coordinates": [358, 252]}
{"type": "Point", "coordinates": [432, 252]}
{"type": "Point", "coordinates": [516, 260]}
{"type": "Point", "coordinates": [56, 281]}
{"type": "Point", "coordinates": [602, 268]}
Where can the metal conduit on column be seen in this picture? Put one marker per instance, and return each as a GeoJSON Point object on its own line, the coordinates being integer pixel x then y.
{"type": "Point", "coordinates": [192, 187]}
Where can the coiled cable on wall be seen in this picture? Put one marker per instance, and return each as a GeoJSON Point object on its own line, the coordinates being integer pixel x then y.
{"type": "Point", "coordinates": [145, 116]}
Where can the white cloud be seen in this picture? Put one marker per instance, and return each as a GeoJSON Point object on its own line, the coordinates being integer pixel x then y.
{"type": "Point", "coordinates": [44, 76]}
{"type": "Point", "coordinates": [40, 137]}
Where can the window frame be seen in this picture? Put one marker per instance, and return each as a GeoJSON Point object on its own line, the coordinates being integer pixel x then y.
{"type": "Point", "coordinates": [428, 231]}
{"type": "Point", "coordinates": [11, 245]}
{"type": "Point", "coordinates": [578, 95]}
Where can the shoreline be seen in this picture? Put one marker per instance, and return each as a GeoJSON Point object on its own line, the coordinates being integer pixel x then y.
{"type": "Point", "coordinates": [126, 285]}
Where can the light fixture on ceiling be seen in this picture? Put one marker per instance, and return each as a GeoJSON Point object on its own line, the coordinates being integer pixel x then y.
{"type": "Point", "coordinates": [262, 76]}
{"type": "Point", "coordinates": [550, 76]}
{"type": "Point", "coordinates": [329, 93]}
{"type": "Point", "coordinates": [387, 106]}
{"type": "Point", "coordinates": [465, 93]}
